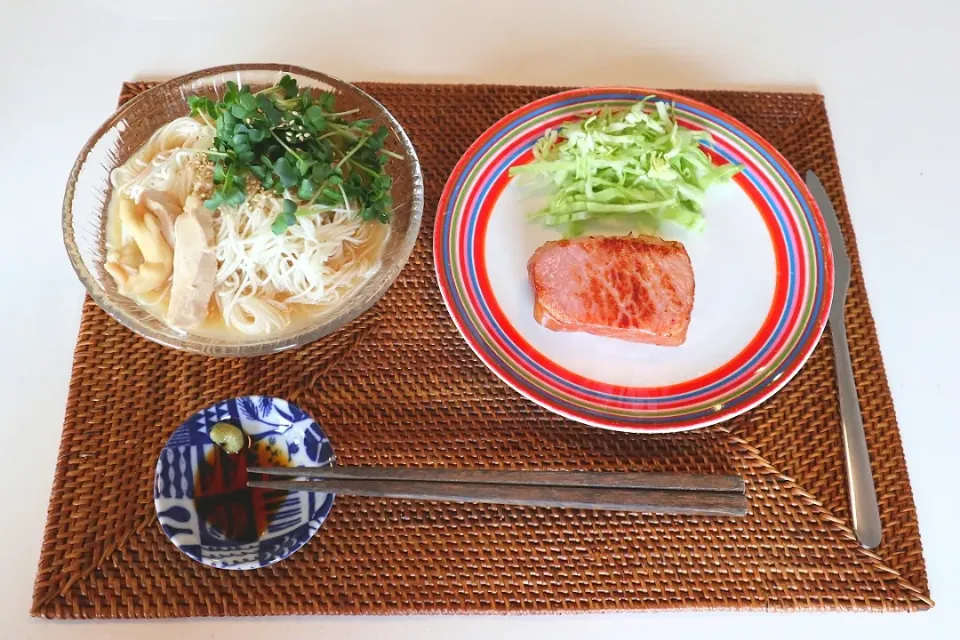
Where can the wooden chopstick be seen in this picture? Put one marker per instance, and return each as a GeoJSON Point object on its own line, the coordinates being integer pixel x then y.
{"type": "Point", "coordinates": [612, 491]}
{"type": "Point", "coordinates": [706, 503]}
{"type": "Point", "coordinates": [601, 479]}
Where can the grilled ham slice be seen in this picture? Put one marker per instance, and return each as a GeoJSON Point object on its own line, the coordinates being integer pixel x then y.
{"type": "Point", "coordinates": [636, 288]}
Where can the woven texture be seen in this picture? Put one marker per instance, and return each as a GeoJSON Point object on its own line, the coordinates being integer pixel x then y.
{"type": "Point", "coordinates": [400, 387]}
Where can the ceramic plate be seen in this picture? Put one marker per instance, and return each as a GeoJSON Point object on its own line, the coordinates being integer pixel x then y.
{"type": "Point", "coordinates": [763, 269]}
{"type": "Point", "coordinates": [202, 503]}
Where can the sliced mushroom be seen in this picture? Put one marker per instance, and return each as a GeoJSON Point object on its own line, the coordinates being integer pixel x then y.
{"type": "Point", "coordinates": [157, 255]}
{"type": "Point", "coordinates": [166, 207]}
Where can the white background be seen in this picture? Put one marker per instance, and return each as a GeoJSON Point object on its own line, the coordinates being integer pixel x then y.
{"type": "Point", "coordinates": [890, 73]}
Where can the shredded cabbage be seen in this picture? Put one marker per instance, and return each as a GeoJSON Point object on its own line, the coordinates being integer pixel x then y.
{"type": "Point", "coordinates": [636, 165]}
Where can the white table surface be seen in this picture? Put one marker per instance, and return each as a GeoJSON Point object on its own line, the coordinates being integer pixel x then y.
{"type": "Point", "coordinates": [890, 73]}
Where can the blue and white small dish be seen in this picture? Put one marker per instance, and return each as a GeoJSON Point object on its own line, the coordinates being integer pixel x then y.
{"type": "Point", "coordinates": [200, 492]}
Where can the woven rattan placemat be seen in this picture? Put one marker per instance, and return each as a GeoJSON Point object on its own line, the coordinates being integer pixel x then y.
{"type": "Point", "coordinates": [400, 387]}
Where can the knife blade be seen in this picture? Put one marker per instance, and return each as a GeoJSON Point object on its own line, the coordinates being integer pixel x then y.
{"type": "Point", "coordinates": [864, 510]}
{"type": "Point", "coordinates": [841, 261]}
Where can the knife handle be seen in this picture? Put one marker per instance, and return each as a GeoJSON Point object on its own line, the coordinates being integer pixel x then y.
{"type": "Point", "coordinates": [863, 497]}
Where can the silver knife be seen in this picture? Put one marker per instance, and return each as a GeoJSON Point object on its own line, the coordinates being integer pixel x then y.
{"type": "Point", "coordinates": [863, 495]}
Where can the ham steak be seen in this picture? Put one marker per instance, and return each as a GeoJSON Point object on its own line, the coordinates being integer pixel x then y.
{"type": "Point", "coordinates": [636, 288]}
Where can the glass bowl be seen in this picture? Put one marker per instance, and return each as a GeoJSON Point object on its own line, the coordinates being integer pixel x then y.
{"type": "Point", "coordinates": [89, 191]}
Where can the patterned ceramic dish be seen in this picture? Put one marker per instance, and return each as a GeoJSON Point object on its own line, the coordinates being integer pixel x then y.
{"type": "Point", "coordinates": [763, 267]}
{"type": "Point", "coordinates": [200, 491]}
{"type": "Point", "coordinates": [89, 190]}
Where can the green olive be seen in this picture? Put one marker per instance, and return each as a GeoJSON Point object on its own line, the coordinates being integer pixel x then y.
{"type": "Point", "coordinates": [230, 438]}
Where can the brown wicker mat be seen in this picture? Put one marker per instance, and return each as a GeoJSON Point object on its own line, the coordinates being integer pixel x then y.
{"type": "Point", "coordinates": [400, 387]}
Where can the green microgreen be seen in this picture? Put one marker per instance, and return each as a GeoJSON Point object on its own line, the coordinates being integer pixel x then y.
{"type": "Point", "coordinates": [295, 143]}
